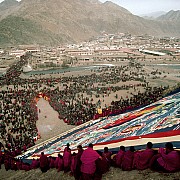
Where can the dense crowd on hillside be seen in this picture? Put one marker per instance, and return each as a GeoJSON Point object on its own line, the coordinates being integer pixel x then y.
{"type": "Point", "coordinates": [73, 100]}
{"type": "Point", "coordinates": [83, 109]}
{"type": "Point", "coordinates": [72, 97]}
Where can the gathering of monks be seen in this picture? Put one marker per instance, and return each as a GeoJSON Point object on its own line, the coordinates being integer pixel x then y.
{"type": "Point", "coordinates": [89, 164]}
{"type": "Point", "coordinates": [76, 99]}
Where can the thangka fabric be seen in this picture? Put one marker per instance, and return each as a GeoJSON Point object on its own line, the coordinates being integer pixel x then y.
{"type": "Point", "coordinates": [156, 122]}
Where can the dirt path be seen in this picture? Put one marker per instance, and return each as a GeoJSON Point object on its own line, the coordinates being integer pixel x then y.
{"type": "Point", "coordinates": [49, 125]}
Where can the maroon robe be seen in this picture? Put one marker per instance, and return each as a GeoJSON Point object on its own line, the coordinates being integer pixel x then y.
{"type": "Point", "coordinates": [88, 158]}
{"type": "Point", "coordinates": [19, 165]}
{"type": "Point", "coordinates": [127, 161]}
{"type": "Point", "coordinates": [44, 163]}
{"type": "Point", "coordinates": [102, 166]}
{"type": "Point", "coordinates": [170, 161]}
{"type": "Point", "coordinates": [119, 158]}
{"type": "Point", "coordinates": [7, 164]}
{"type": "Point", "coordinates": [142, 159]}
{"type": "Point", "coordinates": [67, 159]}
{"type": "Point", "coordinates": [52, 163]}
{"type": "Point", "coordinates": [13, 165]}
{"type": "Point", "coordinates": [25, 167]}
{"type": "Point", "coordinates": [56, 162]}
{"type": "Point", "coordinates": [24, 148]}
{"type": "Point", "coordinates": [77, 164]}
{"type": "Point", "coordinates": [18, 151]}
{"type": "Point", "coordinates": [73, 168]}
{"type": "Point", "coordinates": [60, 164]}
{"type": "Point", "coordinates": [34, 164]}
{"type": "Point", "coordinates": [107, 156]}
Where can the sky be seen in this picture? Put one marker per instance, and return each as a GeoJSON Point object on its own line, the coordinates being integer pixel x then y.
{"type": "Point", "coordinates": [139, 7]}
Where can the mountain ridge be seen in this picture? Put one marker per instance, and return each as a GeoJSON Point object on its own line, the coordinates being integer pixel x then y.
{"type": "Point", "coordinates": [75, 21]}
{"type": "Point", "coordinates": [170, 16]}
{"type": "Point", "coordinates": [153, 15]}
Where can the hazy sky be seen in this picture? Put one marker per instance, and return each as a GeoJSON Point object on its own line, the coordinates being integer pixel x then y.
{"type": "Point", "coordinates": [139, 7]}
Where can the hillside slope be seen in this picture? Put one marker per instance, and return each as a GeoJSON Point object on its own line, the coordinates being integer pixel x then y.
{"type": "Point", "coordinates": [73, 21]}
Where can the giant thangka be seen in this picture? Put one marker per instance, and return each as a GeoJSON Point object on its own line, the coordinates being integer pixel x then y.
{"type": "Point", "coordinates": [158, 123]}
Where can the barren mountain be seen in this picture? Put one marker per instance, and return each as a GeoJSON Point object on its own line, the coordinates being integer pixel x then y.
{"type": "Point", "coordinates": [55, 21]}
{"type": "Point", "coordinates": [7, 4]}
{"type": "Point", "coordinates": [153, 15]}
{"type": "Point", "coordinates": [170, 16]}
{"type": "Point", "coordinates": [7, 7]}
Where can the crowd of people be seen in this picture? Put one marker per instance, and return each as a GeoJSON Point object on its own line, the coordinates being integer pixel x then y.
{"type": "Point", "coordinates": [74, 99]}
{"type": "Point", "coordinates": [89, 164]}
{"type": "Point", "coordinates": [18, 118]}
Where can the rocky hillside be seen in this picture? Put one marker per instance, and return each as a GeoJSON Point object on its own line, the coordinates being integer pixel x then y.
{"type": "Point", "coordinates": [153, 15]}
{"type": "Point", "coordinates": [7, 4]}
{"type": "Point", "coordinates": [7, 7]}
{"type": "Point", "coordinates": [170, 16]}
{"type": "Point", "coordinates": [56, 21]}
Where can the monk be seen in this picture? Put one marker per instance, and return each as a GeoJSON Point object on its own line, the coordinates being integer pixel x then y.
{"type": "Point", "coordinates": [44, 164]}
{"type": "Point", "coordinates": [88, 167]}
{"type": "Point", "coordinates": [73, 159]}
{"type": "Point", "coordinates": [107, 155]}
{"type": "Point", "coordinates": [167, 160]}
{"type": "Point", "coordinates": [51, 162]}
{"type": "Point", "coordinates": [127, 160]}
{"type": "Point", "coordinates": [7, 163]}
{"type": "Point", "coordinates": [56, 162]}
{"type": "Point", "coordinates": [24, 148]}
{"type": "Point", "coordinates": [102, 166]}
{"type": "Point", "coordinates": [120, 156]}
{"type": "Point", "coordinates": [142, 158]}
{"type": "Point", "coordinates": [67, 158]}
{"type": "Point", "coordinates": [34, 164]}
{"type": "Point", "coordinates": [26, 166]}
{"type": "Point", "coordinates": [59, 162]}
{"type": "Point", "coordinates": [19, 164]}
{"type": "Point", "coordinates": [77, 164]}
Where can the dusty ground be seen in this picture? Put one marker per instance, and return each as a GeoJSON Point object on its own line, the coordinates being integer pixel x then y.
{"type": "Point", "coordinates": [113, 174]}
{"type": "Point", "coordinates": [48, 124]}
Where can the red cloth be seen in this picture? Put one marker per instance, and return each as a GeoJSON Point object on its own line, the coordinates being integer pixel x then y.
{"type": "Point", "coordinates": [142, 159]}
{"type": "Point", "coordinates": [34, 164]}
{"type": "Point", "coordinates": [77, 164]}
{"type": "Point", "coordinates": [170, 161]}
{"type": "Point", "coordinates": [60, 164]}
{"type": "Point", "coordinates": [73, 167]}
{"type": "Point", "coordinates": [102, 166]}
{"type": "Point", "coordinates": [25, 167]}
{"type": "Point", "coordinates": [44, 161]}
{"type": "Point", "coordinates": [119, 158]}
{"type": "Point", "coordinates": [56, 162]}
{"type": "Point", "coordinates": [85, 176]}
{"type": "Point", "coordinates": [19, 165]}
{"type": "Point", "coordinates": [88, 158]}
{"type": "Point", "coordinates": [52, 163]}
{"type": "Point", "coordinates": [107, 156]}
{"type": "Point", "coordinates": [67, 158]}
{"type": "Point", "coordinates": [7, 163]}
{"type": "Point", "coordinates": [24, 148]}
{"type": "Point", "coordinates": [127, 161]}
